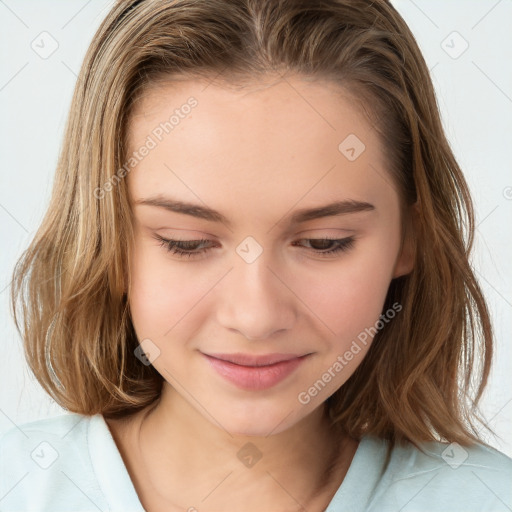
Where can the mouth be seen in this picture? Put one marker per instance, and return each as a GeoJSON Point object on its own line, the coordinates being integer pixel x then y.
{"type": "Point", "coordinates": [251, 372]}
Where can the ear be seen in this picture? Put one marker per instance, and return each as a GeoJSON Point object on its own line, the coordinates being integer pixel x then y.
{"type": "Point", "coordinates": [407, 255]}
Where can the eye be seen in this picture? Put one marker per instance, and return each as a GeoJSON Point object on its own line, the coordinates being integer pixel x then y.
{"type": "Point", "coordinates": [329, 246]}
{"type": "Point", "coordinates": [319, 246]}
{"type": "Point", "coordinates": [183, 247]}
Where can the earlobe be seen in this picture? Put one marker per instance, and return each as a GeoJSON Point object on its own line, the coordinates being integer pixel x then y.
{"type": "Point", "coordinates": [407, 255]}
{"type": "Point", "coordinates": [405, 261]}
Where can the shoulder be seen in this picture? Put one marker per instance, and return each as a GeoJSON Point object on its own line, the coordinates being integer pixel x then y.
{"type": "Point", "coordinates": [443, 476]}
{"type": "Point", "coordinates": [56, 425]}
{"type": "Point", "coordinates": [44, 441]}
{"type": "Point", "coordinates": [39, 457]}
{"type": "Point", "coordinates": [474, 457]}
{"type": "Point", "coordinates": [58, 429]}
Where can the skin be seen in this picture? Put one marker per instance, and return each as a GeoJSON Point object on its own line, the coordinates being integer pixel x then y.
{"type": "Point", "coordinates": [256, 154]}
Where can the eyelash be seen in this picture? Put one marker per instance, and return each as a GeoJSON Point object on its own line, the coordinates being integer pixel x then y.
{"type": "Point", "coordinates": [173, 246]}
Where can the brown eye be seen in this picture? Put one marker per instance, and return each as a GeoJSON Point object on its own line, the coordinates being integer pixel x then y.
{"type": "Point", "coordinates": [183, 247]}
{"type": "Point", "coordinates": [329, 246]}
{"type": "Point", "coordinates": [320, 246]}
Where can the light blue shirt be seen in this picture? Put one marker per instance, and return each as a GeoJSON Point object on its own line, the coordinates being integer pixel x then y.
{"type": "Point", "coordinates": [71, 463]}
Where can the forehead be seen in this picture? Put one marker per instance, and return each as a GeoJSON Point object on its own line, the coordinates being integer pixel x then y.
{"type": "Point", "coordinates": [271, 142]}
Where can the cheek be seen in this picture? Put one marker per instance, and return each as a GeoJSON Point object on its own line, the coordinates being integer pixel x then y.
{"type": "Point", "coordinates": [161, 293]}
{"type": "Point", "coordinates": [349, 297]}
{"type": "Point", "coordinates": [349, 300]}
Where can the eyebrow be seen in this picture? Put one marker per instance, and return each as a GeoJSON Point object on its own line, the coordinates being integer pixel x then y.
{"type": "Point", "coordinates": [343, 207]}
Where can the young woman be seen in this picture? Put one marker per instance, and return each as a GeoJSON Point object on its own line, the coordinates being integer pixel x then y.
{"type": "Point", "coordinates": [251, 290]}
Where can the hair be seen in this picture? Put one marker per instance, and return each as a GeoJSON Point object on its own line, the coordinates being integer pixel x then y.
{"type": "Point", "coordinates": [424, 373]}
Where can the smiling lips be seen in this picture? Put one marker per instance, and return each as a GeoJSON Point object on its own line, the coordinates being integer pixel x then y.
{"type": "Point", "coordinates": [255, 372]}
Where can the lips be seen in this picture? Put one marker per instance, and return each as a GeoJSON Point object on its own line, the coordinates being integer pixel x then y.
{"type": "Point", "coordinates": [254, 360]}
{"type": "Point", "coordinates": [255, 372]}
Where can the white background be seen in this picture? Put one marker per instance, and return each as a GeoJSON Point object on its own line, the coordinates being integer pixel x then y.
{"type": "Point", "coordinates": [474, 93]}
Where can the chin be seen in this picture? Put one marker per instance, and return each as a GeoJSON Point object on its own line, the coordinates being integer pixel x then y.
{"type": "Point", "coordinates": [260, 430]}
{"type": "Point", "coordinates": [258, 421]}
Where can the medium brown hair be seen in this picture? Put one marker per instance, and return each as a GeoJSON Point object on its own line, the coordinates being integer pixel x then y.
{"type": "Point", "coordinates": [425, 371]}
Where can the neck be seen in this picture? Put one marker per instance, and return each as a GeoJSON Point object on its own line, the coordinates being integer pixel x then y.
{"type": "Point", "coordinates": [176, 445]}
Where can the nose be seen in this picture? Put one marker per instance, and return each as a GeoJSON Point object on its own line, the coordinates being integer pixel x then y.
{"type": "Point", "coordinates": [255, 301]}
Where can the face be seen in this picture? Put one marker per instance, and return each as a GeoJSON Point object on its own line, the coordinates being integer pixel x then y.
{"type": "Point", "coordinates": [267, 231]}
